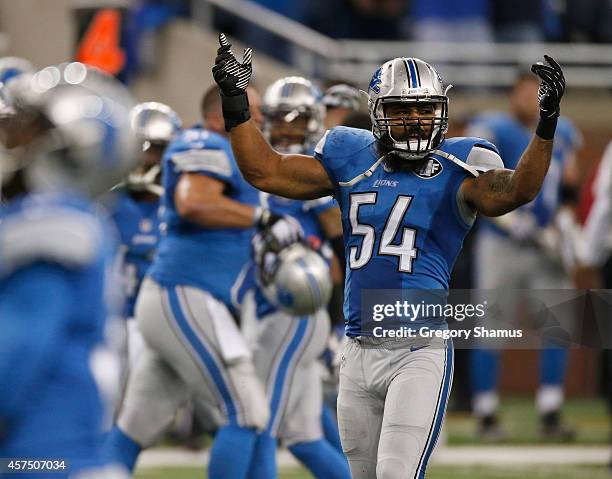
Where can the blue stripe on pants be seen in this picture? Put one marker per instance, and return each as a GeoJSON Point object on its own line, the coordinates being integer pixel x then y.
{"type": "Point", "coordinates": [280, 381]}
{"type": "Point", "coordinates": [441, 409]}
{"type": "Point", "coordinates": [204, 355]}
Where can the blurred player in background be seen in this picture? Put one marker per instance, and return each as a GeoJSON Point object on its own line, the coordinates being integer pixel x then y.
{"type": "Point", "coordinates": [293, 123]}
{"type": "Point", "coordinates": [340, 101]}
{"type": "Point", "coordinates": [511, 254]}
{"type": "Point", "coordinates": [393, 393]}
{"type": "Point", "coordinates": [135, 211]}
{"type": "Point", "coordinates": [184, 309]}
{"type": "Point", "coordinates": [594, 252]}
{"type": "Point", "coordinates": [58, 257]}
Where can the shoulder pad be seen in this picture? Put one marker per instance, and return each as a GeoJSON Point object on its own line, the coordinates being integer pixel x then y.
{"type": "Point", "coordinates": [341, 152]}
{"type": "Point", "coordinates": [484, 156]}
{"type": "Point", "coordinates": [475, 155]}
{"type": "Point", "coordinates": [343, 141]}
{"type": "Point", "coordinates": [64, 236]}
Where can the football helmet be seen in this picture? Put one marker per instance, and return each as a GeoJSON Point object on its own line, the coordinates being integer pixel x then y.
{"type": "Point", "coordinates": [293, 115]}
{"type": "Point", "coordinates": [296, 279]}
{"type": "Point", "coordinates": [411, 83]}
{"type": "Point", "coordinates": [342, 96]}
{"type": "Point", "coordinates": [81, 135]}
{"type": "Point", "coordinates": [154, 122]}
{"type": "Point", "coordinates": [155, 126]}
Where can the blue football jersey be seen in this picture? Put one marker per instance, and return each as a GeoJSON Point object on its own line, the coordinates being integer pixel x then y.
{"type": "Point", "coordinates": [56, 253]}
{"type": "Point", "coordinates": [403, 230]}
{"type": "Point", "coordinates": [512, 138]}
{"type": "Point", "coordinates": [190, 254]}
{"type": "Point", "coordinates": [138, 226]}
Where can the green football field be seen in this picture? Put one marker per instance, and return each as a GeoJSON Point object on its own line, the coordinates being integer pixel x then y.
{"type": "Point", "coordinates": [519, 418]}
{"type": "Point", "coordinates": [540, 472]}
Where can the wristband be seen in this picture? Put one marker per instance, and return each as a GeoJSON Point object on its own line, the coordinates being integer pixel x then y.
{"type": "Point", "coordinates": [546, 128]}
{"type": "Point", "coordinates": [235, 109]}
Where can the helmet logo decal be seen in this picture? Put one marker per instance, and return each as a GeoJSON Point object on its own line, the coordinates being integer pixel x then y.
{"type": "Point", "coordinates": [376, 81]}
{"type": "Point", "coordinates": [429, 170]}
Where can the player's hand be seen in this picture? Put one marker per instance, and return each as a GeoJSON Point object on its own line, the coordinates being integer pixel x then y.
{"type": "Point", "coordinates": [552, 87]}
{"type": "Point", "coordinates": [277, 231]}
{"type": "Point", "coordinates": [231, 76]}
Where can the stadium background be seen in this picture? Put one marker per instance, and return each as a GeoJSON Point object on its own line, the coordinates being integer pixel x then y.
{"type": "Point", "coordinates": [164, 51]}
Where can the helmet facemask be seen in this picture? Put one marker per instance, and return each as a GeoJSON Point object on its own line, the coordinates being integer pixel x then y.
{"type": "Point", "coordinates": [291, 130]}
{"type": "Point", "coordinates": [417, 130]}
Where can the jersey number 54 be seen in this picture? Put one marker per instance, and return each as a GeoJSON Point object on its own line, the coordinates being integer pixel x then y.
{"type": "Point", "coordinates": [405, 251]}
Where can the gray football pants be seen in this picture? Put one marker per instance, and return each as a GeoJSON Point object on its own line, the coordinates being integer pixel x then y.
{"type": "Point", "coordinates": [285, 356]}
{"type": "Point", "coordinates": [192, 349]}
{"type": "Point", "coordinates": [391, 404]}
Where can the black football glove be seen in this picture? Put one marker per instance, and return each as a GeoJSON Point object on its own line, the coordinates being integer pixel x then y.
{"type": "Point", "coordinates": [278, 231]}
{"type": "Point", "coordinates": [233, 79]}
{"type": "Point", "coordinates": [551, 89]}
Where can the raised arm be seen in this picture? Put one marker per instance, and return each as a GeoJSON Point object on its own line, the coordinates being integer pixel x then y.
{"type": "Point", "coordinates": [499, 191]}
{"type": "Point", "coordinates": [299, 177]}
{"type": "Point", "coordinates": [291, 176]}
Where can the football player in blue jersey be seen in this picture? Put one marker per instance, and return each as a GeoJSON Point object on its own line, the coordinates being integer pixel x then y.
{"type": "Point", "coordinates": [510, 253]}
{"type": "Point", "coordinates": [193, 346]}
{"type": "Point", "coordinates": [135, 209]}
{"type": "Point", "coordinates": [408, 197]}
{"type": "Point", "coordinates": [287, 346]}
{"type": "Point", "coordinates": [57, 258]}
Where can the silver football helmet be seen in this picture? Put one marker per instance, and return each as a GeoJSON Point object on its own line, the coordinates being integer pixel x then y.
{"type": "Point", "coordinates": [155, 126]}
{"type": "Point", "coordinates": [293, 115]}
{"type": "Point", "coordinates": [296, 280]}
{"type": "Point", "coordinates": [81, 135]}
{"type": "Point", "coordinates": [411, 82]}
{"type": "Point", "coordinates": [342, 96]}
{"type": "Point", "coordinates": [154, 122]}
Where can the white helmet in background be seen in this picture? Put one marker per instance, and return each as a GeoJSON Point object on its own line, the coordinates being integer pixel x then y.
{"type": "Point", "coordinates": [155, 126]}
{"type": "Point", "coordinates": [296, 280]}
{"type": "Point", "coordinates": [293, 115]}
{"type": "Point", "coordinates": [412, 81]}
{"type": "Point", "coordinates": [154, 122]}
{"type": "Point", "coordinates": [82, 138]}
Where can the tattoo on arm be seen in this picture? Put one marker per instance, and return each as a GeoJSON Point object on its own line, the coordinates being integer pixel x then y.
{"type": "Point", "coordinates": [499, 181]}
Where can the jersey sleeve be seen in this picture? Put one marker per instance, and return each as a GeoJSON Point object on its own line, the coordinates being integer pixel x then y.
{"type": "Point", "coordinates": [66, 237]}
{"type": "Point", "coordinates": [215, 162]}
